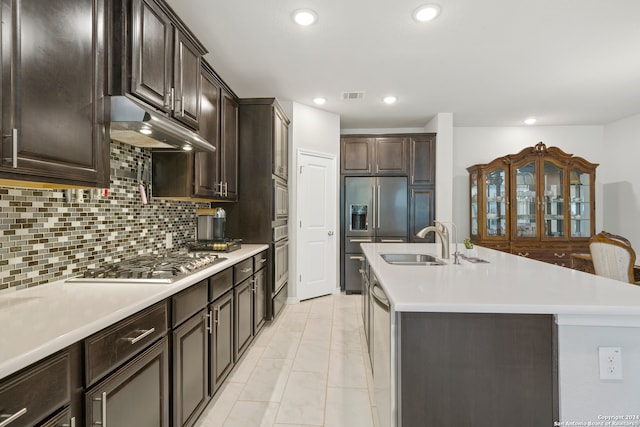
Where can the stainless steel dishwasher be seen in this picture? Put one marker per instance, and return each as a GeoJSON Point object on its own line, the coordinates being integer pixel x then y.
{"type": "Point", "coordinates": [381, 352]}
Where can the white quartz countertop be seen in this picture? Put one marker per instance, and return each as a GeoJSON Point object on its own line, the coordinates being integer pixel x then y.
{"type": "Point", "coordinates": [39, 321]}
{"type": "Point", "coordinates": [507, 284]}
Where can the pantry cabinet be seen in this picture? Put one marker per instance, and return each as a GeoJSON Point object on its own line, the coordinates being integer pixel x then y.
{"type": "Point", "coordinates": [53, 123]}
{"type": "Point", "coordinates": [538, 203]}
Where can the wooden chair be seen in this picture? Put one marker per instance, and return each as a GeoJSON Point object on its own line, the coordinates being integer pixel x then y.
{"type": "Point", "coordinates": [613, 257]}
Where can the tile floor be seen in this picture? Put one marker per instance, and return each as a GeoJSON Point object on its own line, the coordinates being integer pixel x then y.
{"type": "Point", "coordinates": [309, 367]}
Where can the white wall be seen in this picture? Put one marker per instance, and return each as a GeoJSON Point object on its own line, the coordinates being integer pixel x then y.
{"type": "Point", "coordinates": [316, 130]}
{"type": "Point", "coordinates": [472, 145]}
{"type": "Point", "coordinates": [621, 180]}
{"type": "Point", "coordinates": [583, 395]}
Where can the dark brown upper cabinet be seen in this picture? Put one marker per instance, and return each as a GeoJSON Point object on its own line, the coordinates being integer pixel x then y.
{"type": "Point", "coordinates": [206, 179]}
{"type": "Point", "coordinates": [52, 112]}
{"type": "Point", "coordinates": [422, 154]}
{"type": "Point", "coordinates": [384, 155]}
{"type": "Point", "coordinates": [280, 145]}
{"type": "Point", "coordinates": [356, 156]}
{"type": "Point", "coordinates": [156, 58]}
{"type": "Point", "coordinates": [228, 188]}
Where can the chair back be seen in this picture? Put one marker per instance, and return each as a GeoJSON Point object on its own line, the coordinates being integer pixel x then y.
{"type": "Point", "coordinates": [612, 256]}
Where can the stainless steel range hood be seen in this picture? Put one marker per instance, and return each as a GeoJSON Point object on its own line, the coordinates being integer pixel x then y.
{"type": "Point", "coordinates": [135, 124]}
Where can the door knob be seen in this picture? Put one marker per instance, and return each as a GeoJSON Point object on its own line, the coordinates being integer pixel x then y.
{"type": "Point", "coordinates": [330, 233]}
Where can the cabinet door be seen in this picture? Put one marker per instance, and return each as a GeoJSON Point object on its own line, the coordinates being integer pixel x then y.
{"type": "Point", "coordinates": [581, 202]}
{"type": "Point", "coordinates": [151, 54]}
{"type": "Point", "coordinates": [422, 157]}
{"type": "Point", "coordinates": [281, 264]}
{"type": "Point", "coordinates": [62, 419]}
{"type": "Point", "coordinates": [280, 146]}
{"type": "Point", "coordinates": [186, 81]}
{"type": "Point", "coordinates": [259, 300]}
{"type": "Point", "coordinates": [525, 220]}
{"type": "Point", "coordinates": [221, 340]}
{"type": "Point", "coordinates": [352, 276]}
{"type": "Point", "coordinates": [392, 156]}
{"type": "Point", "coordinates": [206, 168]}
{"type": "Point", "coordinates": [190, 369]}
{"type": "Point", "coordinates": [52, 92]}
{"type": "Point", "coordinates": [145, 381]}
{"type": "Point", "coordinates": [356, 156]}
{"type": "Point", "coordinates": [229, 159]}
{"type": "Point", "coordinates": [391, 206]}
{"type": "Point", "coordinates": [243, 299]}
{"type": "Point", "coordinates": [421, 212]}
{"type": "Point", "coordinates": [554, 209]}
{"type": "Point", "coordinates": [495, 212]}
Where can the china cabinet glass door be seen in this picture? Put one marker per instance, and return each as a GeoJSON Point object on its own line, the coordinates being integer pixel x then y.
{"type": "Point", "coordinates": [580, 203]}
{"type": "Point", "coordinates": [553, 202]}
{"type": "Point", "coordinates": [496, 202]}
{"type": "Point", "coordinates": [526, 197]}
{"type": "Point", "coordinates": [474, 203]}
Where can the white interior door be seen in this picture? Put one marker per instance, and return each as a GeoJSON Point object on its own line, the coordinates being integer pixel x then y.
{"type": "Point", "coordinates": [316, 246]}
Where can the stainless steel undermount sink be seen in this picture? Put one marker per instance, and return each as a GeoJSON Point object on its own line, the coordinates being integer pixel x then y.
{"type": "Point", "coordinates": [411, 259]}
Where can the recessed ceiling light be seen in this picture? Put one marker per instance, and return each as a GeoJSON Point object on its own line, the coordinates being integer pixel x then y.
{"type": "Point", "coordinates": [304, 17]}
{"type": "Point", "coordinates": [426, 12]}
{"type": "Point", "coordinates": [390, 99]}
{"type": "Point", "coordinates": [319, 100]}
{"type": "Point", "coordinates": [530, 121]}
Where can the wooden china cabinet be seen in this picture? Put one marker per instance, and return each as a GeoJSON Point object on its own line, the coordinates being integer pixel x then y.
{"type": "Point", "coordinates": [538, 203]}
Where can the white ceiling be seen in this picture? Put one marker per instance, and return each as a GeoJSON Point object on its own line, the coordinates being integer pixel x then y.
{"type": "Point", "coordinates": [490, 63]}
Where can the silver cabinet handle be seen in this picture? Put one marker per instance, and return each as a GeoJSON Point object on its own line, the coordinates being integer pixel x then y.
{"type": "Point", "coordinates": [209, 324]}
{"type": "Point", "coordinates": [12, 417]}
{"type": "Point", "coordinates": [391, 241]}
{"type": "Point", "coordinates": [182, 106]}
{"type": "Point", "coordinates": [557, 255]}
{"type": "Point", "coordinates": [359, 240]}
{"type": "Point", "coordinates": [263, 260]}
{"type": "Point", "coordinates": [525, 254]}
{"type": "Point", "coordinates": [73, 423]}
{"type": "Point", "coordinates": [226, 189]}
{"type": "Point", "coordinates": [217, 318]}
{"type": "Point", "coordinates": [144, 334]}
{"type": "Point", "coordinates": [171, 101]}
{"type": "Point", "coordinates": [245, 270]}
{"type": "Point", "coordinates": [359, 258]}
{"type": "Point", "coordinates": [103, 404]}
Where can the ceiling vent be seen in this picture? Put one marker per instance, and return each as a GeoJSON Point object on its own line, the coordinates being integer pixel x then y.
{"type": "Point", "coordinates": [352, 96]}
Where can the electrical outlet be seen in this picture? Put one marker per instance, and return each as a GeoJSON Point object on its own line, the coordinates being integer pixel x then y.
{"type": "Point", "coordinates": [168, 242]}
{"type": "Point", "coordinates": [610, 363]}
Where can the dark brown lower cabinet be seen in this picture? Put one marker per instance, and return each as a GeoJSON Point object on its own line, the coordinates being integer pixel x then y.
{"type": "Point", "coordinates": [259, 300]}
{"type": "Point", "coordinates": [221, 350]}
{"type": "Point", "coordinates": [477, 369]}
{"type": "Point", "coordinates": [190, 369]}
{"type": "Point", "coordinates": [63, 419]}
{"type": "Point", "coordinates": [243, 300]}
{"type": "Point", "coordinates": [136, 395]}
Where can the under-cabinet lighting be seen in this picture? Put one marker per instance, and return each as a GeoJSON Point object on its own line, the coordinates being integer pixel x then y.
{"type": "Point", "coordinates": [146, 131]}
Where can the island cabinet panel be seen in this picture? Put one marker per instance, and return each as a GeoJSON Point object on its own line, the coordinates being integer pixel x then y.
{"type": "Point", "coordinates": [477, 369]}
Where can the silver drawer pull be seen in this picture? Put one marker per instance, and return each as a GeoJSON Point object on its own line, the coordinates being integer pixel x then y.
{"type": "Point", "coordinates": [557, 255]}
{"type": "Point", "coordinates": [359, 258]}
{"type": "Point", "coordinates": [391, 241]}
{"type": "Point", "coordinates": [143, 335]}
{"type": "Point", "coordinates": [103, 416]}
{"type": "Point", "coordinates": [209, 322]}
{"type": "Point", "coordinates": [359, 240]}
{"type": "Point", "coordinates": [263, 260]}
{"type": "Point", "coordinates": [73, 423]}
{"type": "Point", "coordinates": [12, 417]}
{"type": "Point", "coordinates": [217, 319]}
{"type": "Point", "coordinates": [525, 254]}
{"type": "Point", "coordinates": [245, 270]}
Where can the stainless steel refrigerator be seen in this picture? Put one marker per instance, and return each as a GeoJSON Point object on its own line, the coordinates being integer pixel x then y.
{"type": "Point", "coordinates": [375, 210]}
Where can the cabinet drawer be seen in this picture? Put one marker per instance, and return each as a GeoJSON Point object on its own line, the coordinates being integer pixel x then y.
{"type": "Point", "coordinates": [352, 244]}
{"type": "Point", "coordinates": [188, 302]}
{"type": "Point", "coordinates": [36, 392]}
{"type": "Point", "coordinates": [242, 270]}
{"type": "Point", "coordinates": [108, 349]}
{"type": "Point", "coordinates": [220, 283]}
{"type": "Point", "coordinates": [260, 261]}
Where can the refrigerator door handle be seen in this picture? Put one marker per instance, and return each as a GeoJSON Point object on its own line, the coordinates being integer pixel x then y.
{"type": "Point", "coordinates": [378, 214]}
{"type": "Point", "coordinates": [373, 211]}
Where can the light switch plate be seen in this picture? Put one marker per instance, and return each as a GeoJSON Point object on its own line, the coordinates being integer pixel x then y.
{"type": "Point", "coordinates": [610, 363]}
{"type": "Point", "coordinates": [169, 240]}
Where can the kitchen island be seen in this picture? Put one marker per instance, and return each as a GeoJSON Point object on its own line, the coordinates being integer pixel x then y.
{"type": "Point", "coordinates": [509, 342]}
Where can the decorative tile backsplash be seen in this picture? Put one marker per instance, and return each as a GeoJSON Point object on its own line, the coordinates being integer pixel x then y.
{"type": "Point", "coordinates": [44, 238]}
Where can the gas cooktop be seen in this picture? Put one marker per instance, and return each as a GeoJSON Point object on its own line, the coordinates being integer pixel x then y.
{"type": "Point", "coordinates": [150, 268]}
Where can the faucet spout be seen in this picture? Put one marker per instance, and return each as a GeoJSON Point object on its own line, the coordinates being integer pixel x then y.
{"type": "Point", "coordinates": [443, 235]}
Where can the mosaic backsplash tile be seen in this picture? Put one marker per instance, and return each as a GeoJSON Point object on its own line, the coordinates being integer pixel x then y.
{"type": "Point", "coordinates": [44, 238]}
